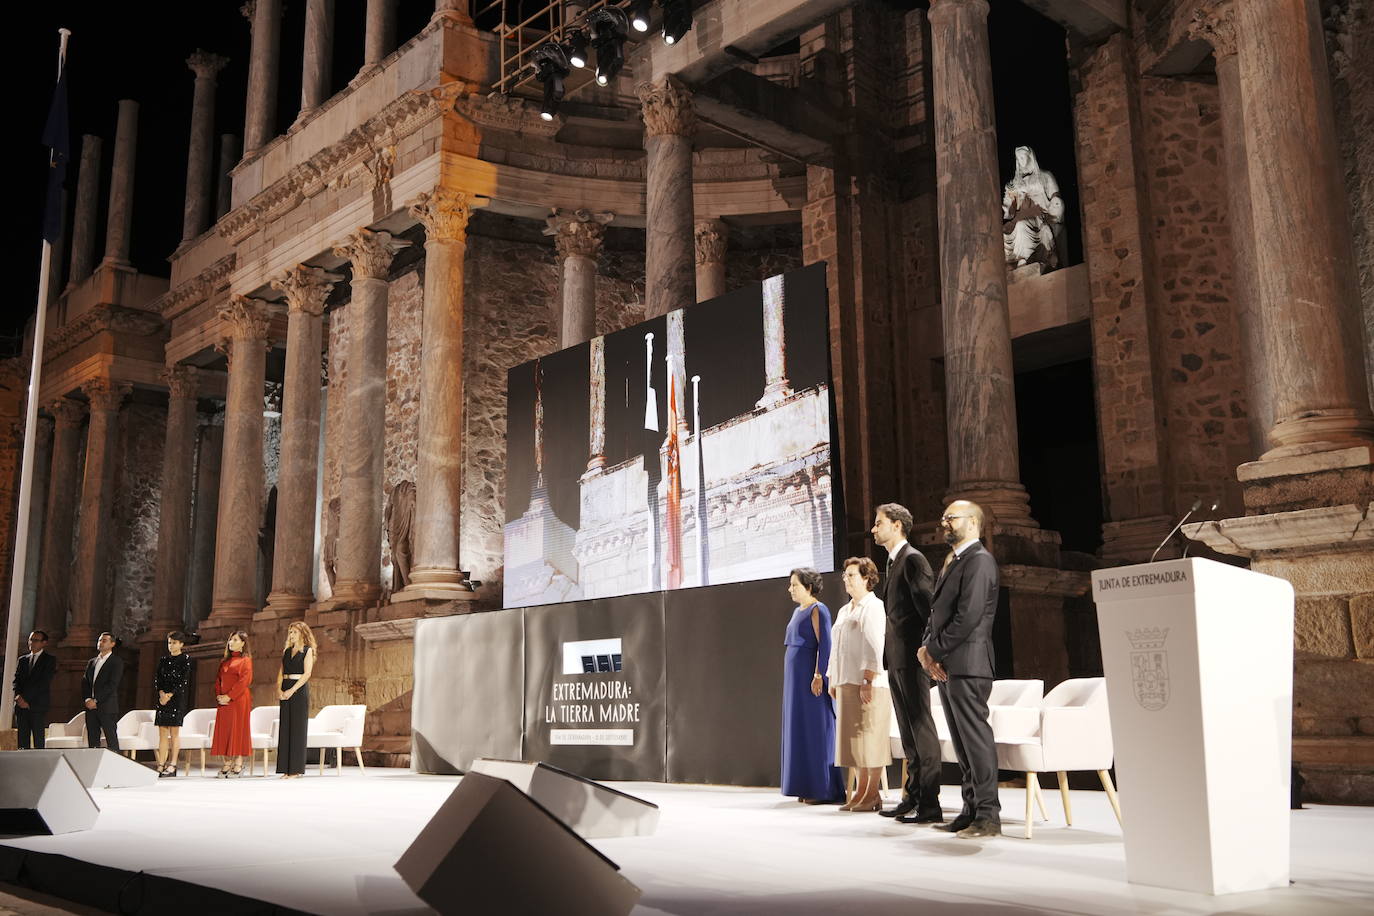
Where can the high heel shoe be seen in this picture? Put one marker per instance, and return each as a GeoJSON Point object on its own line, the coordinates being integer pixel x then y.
{"type": "Point", "coordinates": [223, 772]}
{"type": "Point", "coordinates": [237, 771]}
{"type": "Point", "coordinates": [875, 805]}
{"type": "Point", "coordinates": [171, 770]}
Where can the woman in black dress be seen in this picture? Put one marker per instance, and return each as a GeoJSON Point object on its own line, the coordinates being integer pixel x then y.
{"type": "Point", "coordinates": [293, 677]}
{"type": "Point", "coordinates": [173, 684]}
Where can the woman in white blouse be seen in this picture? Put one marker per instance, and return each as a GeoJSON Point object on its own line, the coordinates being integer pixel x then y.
{"type": "Point", "coordinates": [859, 685]}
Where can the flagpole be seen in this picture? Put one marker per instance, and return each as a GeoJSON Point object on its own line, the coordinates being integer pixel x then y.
{"type": "Point", "coordinates": [21, 536]}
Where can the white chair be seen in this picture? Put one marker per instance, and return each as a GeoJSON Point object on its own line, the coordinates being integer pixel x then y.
{"type": "Point", "coordinates": [262, 724]}
{"type": "Point", "coordinates": [197, 730]}
{"type": "Point", "coordinates": [67, 734]}
{"type": "Point", "coordinates": [1072, 732]}
{"type": "Point", "coordinates": [133, 736]}
{"type": "Point", "coordinates": [339, 727]}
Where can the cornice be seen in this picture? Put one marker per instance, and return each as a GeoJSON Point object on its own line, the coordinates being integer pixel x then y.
{"type": "Point", "coordinates": [104, 317]}
{"type": "Point", "coordinates": [196, 289]}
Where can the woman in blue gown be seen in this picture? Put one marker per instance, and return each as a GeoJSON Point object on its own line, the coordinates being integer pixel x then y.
{"type": "Point", "coordinates": [808, 716]}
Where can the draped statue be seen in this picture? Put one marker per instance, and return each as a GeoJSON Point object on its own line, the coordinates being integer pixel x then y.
{"type": "Point", "coordinates": [398, 519]}
{"type": "Point", "coordinates": [1032, 214]}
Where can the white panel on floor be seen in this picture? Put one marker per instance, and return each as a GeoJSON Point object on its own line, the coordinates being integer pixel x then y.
{"type": "Point", "coordinates": [99, 768]}
{"type": "Point", "coordinates": [40, 793]}
{"type": "Point", "coordinates": [590, 808]}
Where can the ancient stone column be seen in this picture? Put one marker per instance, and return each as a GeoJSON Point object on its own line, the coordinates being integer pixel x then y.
{"type": "Point", "coordinates": [711, 242]}
{"type": "Point", "coordinates": [979, 379]}
{"type": "Point", "coordinates": [358, 554]}
{"type": "Point", "coordinates": [174, 520]}
{"type": "Point", "coordinates": [450, 9]}
{"type": "Point", "coordinates": [669, 244]}
{"type": "Point", "coordinates": [380, 39]}
{"type": "Point", "coordinates": [87, 206]}
{"type": "Point", "coordinates": [228, 158]}
{"type": "Point", "coordinates": [55, 575]}
{"type": "Point", "coordinates": [319, 55]}
{"type": "Point", "coordinates": [90, 600]}
{"type": "Point", "coordinates": [121, 210]}
{"type": "Point", "coordinates": [306, 290]}
{"type": "Point", "coordinates": [241, 475]}
{"type": "Point", "coordinates": [1307, 289]}
{"type": "Point", "coordinates": [596, 460]}
{"type": "Point", "coordinates": [259, 124]}
{"type": "Point", "coordinates": [776, 386]}
{"type": "Point", "coordinates": [435, 571]}
{"type": "Point", "coordinates": [210, 452]}
{"type": "Point", "coordinates": [578, 237]}
{"type": "Point", "coordinates": [196, 215]}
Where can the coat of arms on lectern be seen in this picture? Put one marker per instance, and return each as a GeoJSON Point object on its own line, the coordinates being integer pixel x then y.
{"type": "Point", "coordinates": [1149, 667]}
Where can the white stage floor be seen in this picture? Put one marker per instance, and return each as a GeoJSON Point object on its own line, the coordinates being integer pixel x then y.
{"type": "Point", "coordinates": [326, 844]}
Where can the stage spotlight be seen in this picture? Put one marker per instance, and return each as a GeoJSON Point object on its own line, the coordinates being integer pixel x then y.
{"type": "Point", "coordinates": [550, 67]}
{"type": "Point", "coordinates": [577, 48]}
{"type": "Point", "coordinates": [677, 20]}
{"type": "Point", "coordinates": [609, 25]}
{"type": "Point", "coordinates": [640, 17]}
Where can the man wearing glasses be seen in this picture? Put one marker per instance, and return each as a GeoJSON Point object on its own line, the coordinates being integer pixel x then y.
{"type": "Point", "coordinates": [32, 682]}
{"type": "Point", "coordinates": [957, 653]}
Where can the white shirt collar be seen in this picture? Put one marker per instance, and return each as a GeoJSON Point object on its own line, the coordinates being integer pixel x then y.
{"type": "Point", "coordinates": [960, 551]}
{"type": "Point", "coordinates": [892, 554]}
{"type": "Point", "coordinates": [35, 653]}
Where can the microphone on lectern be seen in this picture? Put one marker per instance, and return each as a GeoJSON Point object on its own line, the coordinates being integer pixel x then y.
{"type": "Point", "coordinates": [1189, 546]}
{"type": "Point", "coordinates": [1197, 504]}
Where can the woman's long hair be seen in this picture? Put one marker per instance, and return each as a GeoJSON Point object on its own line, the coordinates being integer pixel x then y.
{"type": "Point", "coordinates": [243, 636]}
{"type": "Point", "coordinates": [307, 637]}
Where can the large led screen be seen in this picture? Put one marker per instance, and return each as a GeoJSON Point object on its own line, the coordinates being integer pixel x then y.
{"type": "Point", "coordinates": [692, 449]}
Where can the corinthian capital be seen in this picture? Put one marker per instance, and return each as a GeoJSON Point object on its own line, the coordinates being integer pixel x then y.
{"type": "Point", "coordinates": [248, 319]}
{"type": "Point", "coordinates": [306, 288]}
{"type": "Point", "coordinates": [444, 214]}
{"type": "Point", "coordinates": [667, 108]}
{"type": "Point", "coordinates": [106, 395]}
{"type": "Point", "coordinates": [204, 65]}
{"type": "Point", "coordinates": [66, 412]}
{"type": "Point", "coordinates": [181, 381]}
{"type": "Point", "coordinates": [370, 252]}
{"type": "Point", "coordinates": [941, 10]}
{"type": "Point", "coordinates": [1215, 23]}
{"type": "Point", "coordinates": [578, 233]}
{"type": "Point", "coordinates": [711, 237]}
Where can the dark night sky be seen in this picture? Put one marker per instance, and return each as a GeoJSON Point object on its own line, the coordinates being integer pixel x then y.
{"type": "Point", "coordinates": [137, 50]}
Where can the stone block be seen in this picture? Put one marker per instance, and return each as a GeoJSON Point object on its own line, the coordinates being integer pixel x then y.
{"type": "Point", "coordinates": [1346, 573]}
{"type": "Point", "coordinates": [1362, 624]}
{"type": "Point", "coordinates": [1309, 727]}
{"type": "Point", "coordinates": [1332, 689]}
{"type": "Point", "coordinates": [1321, 627]}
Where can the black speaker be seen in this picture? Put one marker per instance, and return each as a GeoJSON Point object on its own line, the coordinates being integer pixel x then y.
{"type": "Point", "coordinates": [492, 849]}
{"type": "Point", "coordinates": [41, 794]}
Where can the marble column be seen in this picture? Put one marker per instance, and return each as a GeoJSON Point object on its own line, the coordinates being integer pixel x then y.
{"type": "Point", "coordinates": [578, 237]}
{"type": "Point", "coordinates": [1308, 295]}
{"type": "Point", "coordinates": [712, 238]}
{"type": "Point", "coordinates": [669, 244]}
{"type": "Point", "coordinates": [980, 392]}
{"type": "Point", "coordinates": [90, 599]}
{"type": "Point", "coordinates": [596, 370]}
{"type": "Point", "coordinates": [358, 554]}
{"type": "Point", "coordinates": [87, 211]}
{"type": "Point", "coordinates": [121, 209]}
{"type": "Point", "coordinates": [200, 589]}
{"type": "Point", "coordinates": [228, 157]}
{"type": "Point", "coordinates": [241, 474]}
{"type": "Point", "coordinates": [260, 118]}
{"type": "Point", "coordinates": [293, 558]}
{"type": "Point", "coordinates": [435, 570]}
{"type": "Point", "coordinates": [380, 38]}
{"type": "Point", "coordinates": [196, 215]}
{"type": "Point", "coordinates": [776, 386]}
{"type": "Point", "coordinates": [174, 520]}
{"type": "Point", "coordinates": [54, 582]}
{"type": "Point", "coordinates": [319, 55]}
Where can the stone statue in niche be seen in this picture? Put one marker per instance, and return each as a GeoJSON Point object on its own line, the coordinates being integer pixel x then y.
{"type": "Point", "coordinates": [330, 548]}
{"type": "Point", "coordinates": [1032, 214]}
{"type": "Point", "coordinates": [399, 515]}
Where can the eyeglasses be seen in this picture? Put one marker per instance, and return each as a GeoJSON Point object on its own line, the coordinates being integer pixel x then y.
{"type": "Point", "coordinates": [950, 518]}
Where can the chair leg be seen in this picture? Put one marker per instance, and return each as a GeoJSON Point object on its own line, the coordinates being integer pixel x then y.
{"type": "Point", "coordinates": [202, 764]}
{"type": "Point", "coordinates": [1064, 794]}
{"type": "Point", "coordinates": [1111, 793]}
{"type": "Point", "coordinates": [1040, 801]}
{"type": "Point", "coordinates": [1030, 794]}
{"type": "Point", "coordinates": [338, 760]}
{"type": "Point", "coordinates": [358, 752]}
{"type": "Point", "coordinates": [323, 751]}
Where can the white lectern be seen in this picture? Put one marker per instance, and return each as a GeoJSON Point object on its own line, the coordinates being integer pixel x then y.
{"type": "Point", "coordinates": [1198, 657]}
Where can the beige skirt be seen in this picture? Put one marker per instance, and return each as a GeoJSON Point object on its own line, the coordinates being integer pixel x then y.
{"type": "Point", "coordinates": [861, 729]}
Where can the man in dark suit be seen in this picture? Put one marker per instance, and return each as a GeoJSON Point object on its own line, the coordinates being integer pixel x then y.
{"type": "Point", "coordinates": [957, 653]}
{"type": "Point", "coordinates": [906, 600]}
{"type": "Point", "coordinates": [32, 680]}
{"type": "Point", "coordinates": [100, 687]}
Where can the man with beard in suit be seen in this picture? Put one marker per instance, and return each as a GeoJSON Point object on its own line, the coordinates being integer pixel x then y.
{"type": "Point", "coordinates": [32, 680]}
{"type": "Point", "coordinates": [906, 600]}
{"type": "Point", "coordinates": [957, 653]}
{"type": "Point", "coordinates": [100, 687]}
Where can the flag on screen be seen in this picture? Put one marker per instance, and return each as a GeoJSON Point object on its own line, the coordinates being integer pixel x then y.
{"type": "Point", "coordinates": [57, 137]}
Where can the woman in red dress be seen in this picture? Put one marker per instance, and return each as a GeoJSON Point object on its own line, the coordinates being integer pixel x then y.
{"type": "Point", "coordinates": [233, 692]}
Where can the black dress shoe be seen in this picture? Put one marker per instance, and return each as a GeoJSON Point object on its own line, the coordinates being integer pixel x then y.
{"type": "Point", "coordinates": [903, 808]}
{"type": "Point", "coordinates": [959, 823]}
{"type": "Point", "coordinates": [929, 817]}
{"type": "Point", "coordinates": [980, 827]}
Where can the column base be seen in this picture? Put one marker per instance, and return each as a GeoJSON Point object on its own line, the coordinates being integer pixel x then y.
{"type": "Point", "coordinates": [1310, 477]}
{"type": "Point", "coordinates": [434, 583]}
{"type": "Point", "coordinates": [230, 612]}
{"type": "Point", "coordinates": [352, 593]}
{"type": "Point", "coordinates": [1331, 430]}
{"type": "Point", "coordinates": [1004, 501]}
{"type": "Point", "coordinates": [81, 637]}
{"type": "Point", "coordinates": [285, 604]}
{"type": "Point", "coordinates": [774, 394]}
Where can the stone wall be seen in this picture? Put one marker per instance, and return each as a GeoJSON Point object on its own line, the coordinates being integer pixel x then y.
{"type": "Point", "coordinates": [137, 509]}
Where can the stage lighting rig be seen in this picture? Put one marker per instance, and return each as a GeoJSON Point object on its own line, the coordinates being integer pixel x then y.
{"type": "Point", "coordinates": [576, 46]}
{"type": "Point", "coordinates": [551, 66]}
{"type": "Point", "coordinates": [639, 18]}
{"type": "Point", "coordinates": [677, 20]}
{"type": "Point", "coordinates": [609, 26]}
